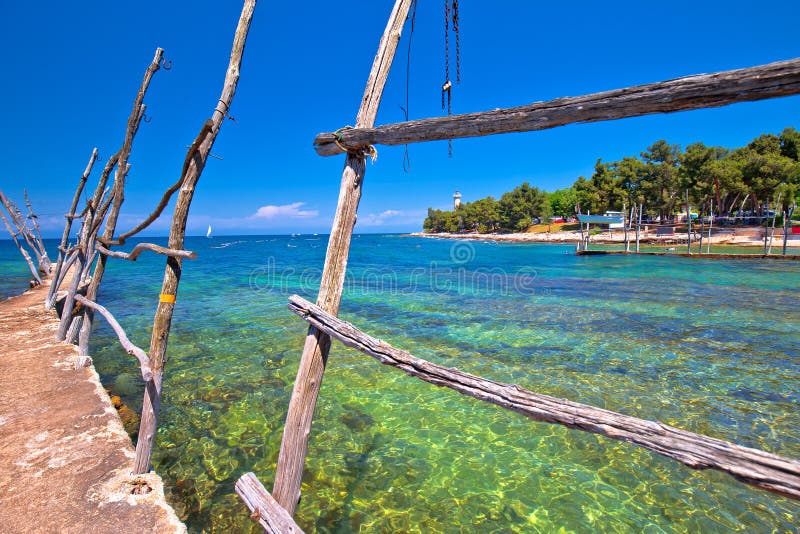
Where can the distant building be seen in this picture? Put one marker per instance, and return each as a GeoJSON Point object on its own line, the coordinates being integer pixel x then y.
{"type": "Point", "coordinates": [456, 200]}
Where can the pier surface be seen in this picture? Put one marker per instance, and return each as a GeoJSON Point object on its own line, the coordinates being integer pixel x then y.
{"type": "Point", "coordinates": [65, 459]}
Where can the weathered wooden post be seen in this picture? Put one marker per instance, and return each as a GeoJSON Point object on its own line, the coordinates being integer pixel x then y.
{"type": "Point", "coordinates": [774, 216]}
{"type": "Point", "coordinates": [710, 224]}
{"type": "Point", "coordinates": [51, 297]}
{"type": "Point", "coordinates": [120, 160]}
{"type": "Point", "coordinates": [196, 160]}
{"type": "Point", "coordinates": [28, 260]}
{"type": "Point", "coordinates": [45, 265]}
{"type": "Point", "coordinates": [294, 445]}
{"type": "Point", "coordinates": [787, 217]}
{"type": "Point", "coordinates": [638, 226]}
{"type": "Point", "coordinates": [688, 225]}
{"type": "Point", "coordinates": [18, 220]}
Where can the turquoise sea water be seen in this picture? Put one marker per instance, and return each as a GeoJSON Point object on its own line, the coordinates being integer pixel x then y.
{"type": "Point", "coordinates": [708, 346]}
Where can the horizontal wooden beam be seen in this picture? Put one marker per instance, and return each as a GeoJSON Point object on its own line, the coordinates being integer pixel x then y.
{"type": "Point", "coordinates": [130, 348]}
{"type": "Point", "coordinates": [272, 517]}
{"type": "Point", "coordinates": [141, 247]}
{"type": "Point", "coordinates": [692, 92]}
{"type": "Point", "coordinates": [752, 466]}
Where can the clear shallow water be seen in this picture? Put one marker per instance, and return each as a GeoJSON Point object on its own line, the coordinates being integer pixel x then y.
{"type": "Point", "coordinates": [709, 346]}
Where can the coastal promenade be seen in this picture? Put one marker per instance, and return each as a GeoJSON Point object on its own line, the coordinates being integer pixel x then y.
{"type": "Point", "coordinates": [65, 459]}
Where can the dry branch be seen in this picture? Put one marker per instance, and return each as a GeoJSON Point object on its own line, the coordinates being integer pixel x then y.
{"type": "Point", "coordinates": [692, 92]}
{"type": "Point", "coordinates": [28, 260]}
{"type": "Point", "coordinates": [130, 348]}
{"type": "Point", "coordinates": [44, 265]}
{"type": "Point", "coordinates": [197, 157]}
{"type": "Point", "coordinates": [169, 192]}
{"type": "Point", "coordinates": [141, 247]}
{"type": "Point", "coordinates": [752, 466]}
{"type": "Point", "coordinates": [120, 160]}
{"type": "Point", "coordinates": [18, 220]}
{"type": "Point", "coordinates": [294, 445]}
{"type": "Point", "coordinates": [265, 509]}
{"type": "Point", "coordinates": [73, 257]}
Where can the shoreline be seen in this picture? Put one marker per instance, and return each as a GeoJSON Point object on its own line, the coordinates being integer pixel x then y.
{"type": "Point", "coordinates": [617, 238]}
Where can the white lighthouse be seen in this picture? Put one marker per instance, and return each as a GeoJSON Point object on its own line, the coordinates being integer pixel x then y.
{"type": "Point", "coordinates": [456, 200]}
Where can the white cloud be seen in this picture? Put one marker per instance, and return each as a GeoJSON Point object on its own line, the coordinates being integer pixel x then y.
{"type": "Point", "coordinates": [379, 219]}
{"type": "Point", "coordinates": [291, 211]}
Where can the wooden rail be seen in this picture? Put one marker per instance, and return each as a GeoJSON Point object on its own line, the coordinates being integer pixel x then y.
{"type": "Point", "coordinates": [130, 348]}
{"type": "Point", "coordinates": [691, 92]}
{"type": "Point", "coordinates": [752, 466]}
{"type": "Point", "coordinates": [265, 510]}
{"type": "Point", "coordinates": [141, 247]}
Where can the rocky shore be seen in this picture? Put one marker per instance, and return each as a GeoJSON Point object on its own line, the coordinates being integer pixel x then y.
{"type": "Point", "coordinates": [748, 237]}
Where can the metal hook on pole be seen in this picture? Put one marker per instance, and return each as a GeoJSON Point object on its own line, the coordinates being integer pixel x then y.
{"type": "Point", "coordinates": [164, 64]}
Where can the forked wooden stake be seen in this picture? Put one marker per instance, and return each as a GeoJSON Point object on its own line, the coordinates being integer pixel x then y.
{"type": "Point", "coordinates": [163, 319]}
{"type": "Point", "coordinates": [294, 445]}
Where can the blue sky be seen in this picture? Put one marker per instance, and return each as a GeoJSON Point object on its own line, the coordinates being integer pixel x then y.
{"type": "Point", "coordinates": [71, 70]}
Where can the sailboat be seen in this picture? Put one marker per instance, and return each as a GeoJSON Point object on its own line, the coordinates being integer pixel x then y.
{"type": "Point", "coordinates": [208, 233]}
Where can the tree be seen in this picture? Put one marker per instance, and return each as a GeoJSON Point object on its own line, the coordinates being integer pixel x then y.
{"type": "Point", "coordinates": [697, 172]}
{"type": "Point", "coordinates": [660, 184]}
{"type": "Point", "coordinates": [518, 208]}
{"type": "Point", "coordinates": [563, 201]}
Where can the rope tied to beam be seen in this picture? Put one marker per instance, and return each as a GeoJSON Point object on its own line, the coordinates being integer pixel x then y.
{"type": "Point", "coordinates": [367, 151]}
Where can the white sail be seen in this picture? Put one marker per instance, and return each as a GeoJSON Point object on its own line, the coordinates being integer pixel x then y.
{"type": "Point", "coordinates": [208, 233]}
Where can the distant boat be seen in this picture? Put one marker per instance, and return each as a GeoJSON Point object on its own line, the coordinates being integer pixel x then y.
{"type": "Point", "coordinates": [208, 232]}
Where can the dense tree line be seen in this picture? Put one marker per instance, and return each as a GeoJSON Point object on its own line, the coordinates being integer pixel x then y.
{"type": "Point", "coordinates": [743, 179]}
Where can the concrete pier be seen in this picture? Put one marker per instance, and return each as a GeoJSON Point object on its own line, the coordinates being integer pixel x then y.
{"type": "Point", "coordinates": [65, 459]}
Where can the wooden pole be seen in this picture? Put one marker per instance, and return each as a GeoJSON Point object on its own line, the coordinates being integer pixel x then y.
{"type": "Point", "coordinates": [172, 274]}
{"type": "Point", "coordinates": [702, 232]}
{"type": "Point", "coordinates": [51, 297]}
{"type": "Point", "coordinates": [638, 226]}
{"type": "Point", "coordinates": [130, 348]}
{"type": "Point", "coordinates": [45, 265]}
{"type": "Point", "coordinates": [774, 216]}
{"type": "Point", "coordinates": [273, 518]}
{"type": "Point", "coordinates": [120, 160]}
{"type": "Point", "coordinates": [692, 92]}
{"type": "Point", "coordinates": [688, 225]}
{"type": "Point", "coordinates": [294, 444]}
{"type": "Point", "coordinates": [752, 466]}
{"type": "Point", "coordinates": [18, 220]}
{"type": "Point", "coordinates": [28, 260]}
{"type": "Point", "coordinates": [141, 247]}
{"type": "Point", "coordinates": [710, 224]}
{"type": "Point", "coordinates": [625, 220]}
{"type": "Point", "coordinates": [787, 218]}
{"type": "Point", "coordinates": [69, 300]}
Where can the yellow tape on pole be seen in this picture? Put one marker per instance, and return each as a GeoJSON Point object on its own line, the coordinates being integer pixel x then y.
{"type": "Point", "coordinates": [164, 297]}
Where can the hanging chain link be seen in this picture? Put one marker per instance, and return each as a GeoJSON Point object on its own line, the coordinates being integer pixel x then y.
{"type": "Point", "coordinates": [457, 31]}
{"type": "Point", "coordinates": [451, 17]}
{"type": "Point", "coordinates": [446, 84]}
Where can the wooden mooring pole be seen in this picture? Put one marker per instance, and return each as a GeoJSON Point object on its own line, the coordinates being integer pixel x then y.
{"type": "Point", "coordinates": [62, 248]}
{"type": "Point", "coordinates": [197, 157]}
{"type": "Point", "coordinates": [120, 160]}
{"type": "Point", "coordinates": [294, 445]}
